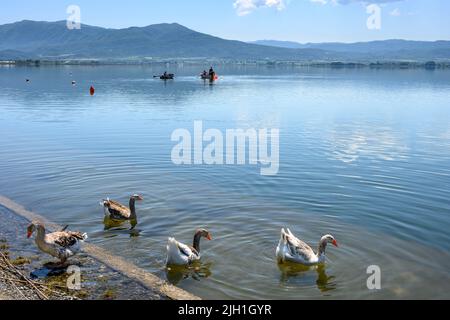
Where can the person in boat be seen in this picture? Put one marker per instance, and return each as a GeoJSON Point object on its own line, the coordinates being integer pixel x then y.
{"type": "Point", "coordinates": [204, 74]}
{"type": "Point", "coordinates": [165, 75]}
{"type": "Point", "coordinates": [211, 72]}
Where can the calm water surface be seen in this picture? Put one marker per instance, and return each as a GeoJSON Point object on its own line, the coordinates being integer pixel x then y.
{"type": "Point", "coordinates": [364, 155]}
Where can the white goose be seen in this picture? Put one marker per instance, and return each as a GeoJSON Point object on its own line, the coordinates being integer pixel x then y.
{"type": "Point", "coordinates": [292, 249]}
{"type": "Point", "coordinates": [62, 244]}
{"type": "Point", "coordinates": [181, 254]}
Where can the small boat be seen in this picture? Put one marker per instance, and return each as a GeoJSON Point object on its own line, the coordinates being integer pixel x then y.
{"type": "Point", "coordinates": [212, 77]}
{"type": "Point", "coordinates": [168, 76]}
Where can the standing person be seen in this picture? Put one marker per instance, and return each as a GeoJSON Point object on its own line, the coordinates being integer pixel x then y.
{"type": "Point", "coordinates": [212, 75]}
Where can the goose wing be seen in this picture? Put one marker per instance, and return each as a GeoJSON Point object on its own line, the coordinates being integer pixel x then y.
{"type": "Point", "coordinates": [66, 239]}
{"type": "Point", "coordinates": [186, 250]}
{"type": "Point", "coordinates": [117, 209]}
{"type": "Point", "coordinates": [297, 248]}
{"type": "Point", "coordinates": [179, 253]}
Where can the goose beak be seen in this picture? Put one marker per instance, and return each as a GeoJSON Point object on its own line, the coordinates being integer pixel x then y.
{"type": "Point", "coordinates": [209, 237]}
{"type": "Point", "coordinates": [335, 243]}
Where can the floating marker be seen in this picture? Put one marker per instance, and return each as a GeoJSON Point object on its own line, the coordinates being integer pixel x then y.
{"type": "Point", "coordinates": [92, 90]}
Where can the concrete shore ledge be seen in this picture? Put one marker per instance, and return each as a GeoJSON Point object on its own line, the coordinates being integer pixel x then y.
{"type": "Point", "coordinates": [120, 265]}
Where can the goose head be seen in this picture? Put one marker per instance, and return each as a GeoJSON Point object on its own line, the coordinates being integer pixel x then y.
{"type": "Point", "coordinates": [35, 225]}
{"type": "Point", "coordinates": [329, 239]}
{"type": "Point", "coordinates": [137, 197]}
{"type": "Point", "coordinates": [203, 233]}
{"type": "Point", "coordinates": [200, 233]}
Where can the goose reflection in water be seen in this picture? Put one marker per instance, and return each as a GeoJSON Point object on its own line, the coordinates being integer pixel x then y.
{"type": "Point", "coordinates": [324, 282]}
{"type": "Point", "coordinates": [116, 225]}
{"type": "Point", "coordinates": [196, 271]}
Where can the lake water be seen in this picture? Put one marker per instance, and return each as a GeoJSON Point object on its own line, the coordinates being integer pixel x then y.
{"type": "Point", "coordinates": [364, 155]}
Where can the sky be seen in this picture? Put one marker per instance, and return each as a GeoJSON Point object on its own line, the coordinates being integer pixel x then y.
{"type": "Point", "coordinates": [248, 20]}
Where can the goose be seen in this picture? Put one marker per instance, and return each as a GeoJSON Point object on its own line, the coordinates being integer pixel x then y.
{"type": "Point", "coordinates": [62, 244]}
{"type": "Point", "coordinates": [181, 254]}
{"type": "Point", "coordinates": [292, 249]}
{"type": "Point", "coordinates": [118, 212]}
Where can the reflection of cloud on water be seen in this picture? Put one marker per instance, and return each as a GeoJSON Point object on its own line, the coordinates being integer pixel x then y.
{"type": "Point", "coordinates": [348, 151]}
{"type": "Point", "coordinates": [262, 120]}
{"type": "Point", "coordinates": [348, 145]}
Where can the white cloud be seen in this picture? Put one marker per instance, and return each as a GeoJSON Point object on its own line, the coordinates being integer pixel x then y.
{"type": "Point", "coordinates": [365, 1]}
{"type": "Point", "coordinates": [354, 1]}
{"type": "Point", "coordinates": [244, 7]}
{"type": "Point", "coordinates": [395, 12]}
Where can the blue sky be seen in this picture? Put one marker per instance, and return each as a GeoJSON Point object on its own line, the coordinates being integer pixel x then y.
{"type": "Point", "coordinates": [296, 20]}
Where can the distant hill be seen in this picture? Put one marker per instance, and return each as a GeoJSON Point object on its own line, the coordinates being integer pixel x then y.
{"type": "Point", "coordinates": [52, 40]}
{"type": "Point", "coordinates": [280, 44]}
{"type": "Point", "coordinates": [385, 49]}
{"type": "Point", "coordinates": [363, 47]}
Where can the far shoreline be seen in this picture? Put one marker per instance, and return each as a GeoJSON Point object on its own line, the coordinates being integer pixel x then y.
{"type": "Point", "coordinates": [389, 65]}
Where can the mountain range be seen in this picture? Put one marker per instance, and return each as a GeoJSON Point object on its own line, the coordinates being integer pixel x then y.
{"type": "Point", "coordinates": [54, 41]}
{"type": "Point", "coordinates": [374, 47]}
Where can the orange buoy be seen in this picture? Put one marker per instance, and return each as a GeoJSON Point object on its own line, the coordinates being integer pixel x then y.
{"type": "Point", "coordinates": [92, 90]}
